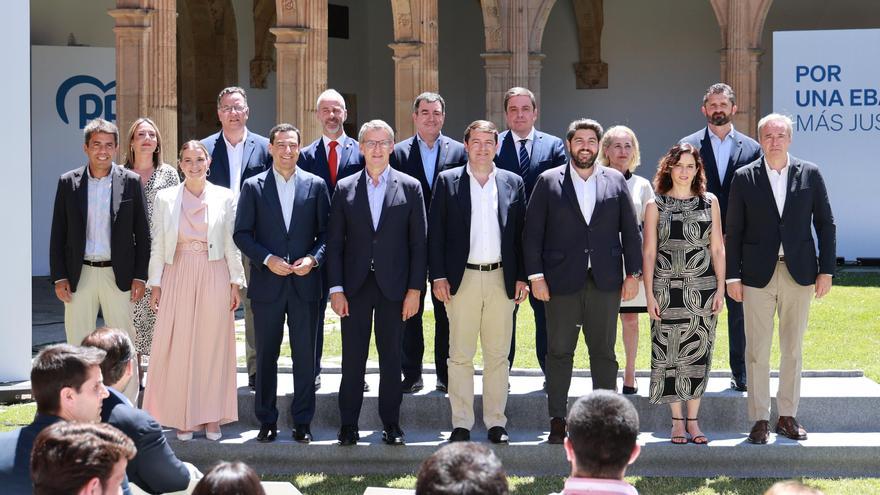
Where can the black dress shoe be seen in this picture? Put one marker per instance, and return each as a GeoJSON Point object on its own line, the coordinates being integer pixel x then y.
{"type": "Point", "coordinates": [557, 431]}
{"type": "Point", "coordinates": [268, 432]}
{"type": "Point", "coordinates": [348, 435]}
{"type": "Point", "coordinates": [738, 386]}
{"type": "Point", "coordinates": [497, 434]}
{"type": "Point", "coordinates": [252, 382]}
{"type": "Point", "coordinates": [366, 386]}
{"type": "Point", "coordinates": [460, 435]}
{"type": "Point", "coordinates": [392, 435]}
{"type": "Point", "coordinates": [441, 386]}
{"type": "Point", "coordinates": [412, 385]}
{"type": "Point", "coordinates": [302, 433]}
{"type": "Point", "coordinates": [317, 383]}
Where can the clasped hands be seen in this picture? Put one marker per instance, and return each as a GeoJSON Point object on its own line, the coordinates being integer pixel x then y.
{"type": "Point", "coordinates": [300, 267]}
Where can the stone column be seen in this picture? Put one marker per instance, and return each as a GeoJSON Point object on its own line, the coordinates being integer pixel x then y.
{"type": "Point", "coordinates": [132, 26]}
{"type": "Point", "coordinates": [415, 57]}
{"type": "Point", "coordinates": [742, 25]}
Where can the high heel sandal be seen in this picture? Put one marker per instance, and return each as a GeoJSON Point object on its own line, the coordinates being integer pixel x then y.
{"type": "Point", "coordinates": [184, 436]}
{"type": "Point", "coordinates": [679, 439]}
{"type": "Point", "coordinates": [697, 439]}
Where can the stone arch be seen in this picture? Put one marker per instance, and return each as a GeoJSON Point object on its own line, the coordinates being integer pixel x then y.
{"type": "Point", "coordinates": [542, 13]}
{"type": "Point", "coordinates": [402, 13]}
{"type": "Point", "coordinates": [492, 25]}
{"type": "Point", "coordinates": [208, 62]}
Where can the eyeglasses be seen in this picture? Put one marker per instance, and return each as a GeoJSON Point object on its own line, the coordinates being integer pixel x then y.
{"type": "Point", "coordinates": [237, 108]}
{"type": "Point", "coordinates": [385, 144]}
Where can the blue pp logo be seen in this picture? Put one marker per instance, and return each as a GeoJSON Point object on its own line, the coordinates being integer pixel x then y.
{"type": "Point", "coordinates": [91, 104]}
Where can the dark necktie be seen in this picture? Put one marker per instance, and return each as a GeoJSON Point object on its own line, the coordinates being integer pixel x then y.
{"type": "Point", "coordinates": [523, 158]}
{"type": "Point", "coordinates": [333, 163]}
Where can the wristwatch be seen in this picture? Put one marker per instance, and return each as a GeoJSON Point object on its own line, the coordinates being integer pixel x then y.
{"type": "Point", "coordinates": [636, 274]}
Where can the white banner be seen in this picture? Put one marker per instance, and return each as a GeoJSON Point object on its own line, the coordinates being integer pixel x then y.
{"type": "Point", "coordinates": [70, 85]}
{"type": "Point", "coordinates": [830, 86]}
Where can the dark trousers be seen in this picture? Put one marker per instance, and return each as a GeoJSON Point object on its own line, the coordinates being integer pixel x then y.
{"type": "Point", "coordinates": [597, 310]}
{"type": "Point", "coordinates": [322, 309]}
{"type": "Point", "coordinates": [413, 342]}
{"type": "Point", "coordinates": [356, 331]}
{"type": "Point", "coordinates": [540, 333]}
{"type": "Point", "coordinates": [269, 331]}
{"type": "Point", "coordinates": [737, 338]}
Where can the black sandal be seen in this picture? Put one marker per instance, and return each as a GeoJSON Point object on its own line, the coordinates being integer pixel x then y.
{"type": "Point", "coordinates": [696, 439]}
{"type": "Point", "coordinates": [677, 439]}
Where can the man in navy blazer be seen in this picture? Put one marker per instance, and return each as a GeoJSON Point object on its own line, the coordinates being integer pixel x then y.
{"type": "Point", "coordinates": [528, 152]}
{"type": "Point", "coordinates": [155, 468]}
{"type": "Point", "coordinates": [725, 150]}
{"type": "Point", "coordinates": [424, 156]}
{"type": "Point", "coordinates": [580, 229]}
{"type": "Point", "coordinates": [376, 263]}
{"type": "Point", "coordinates": [280, 225]}
{"type": "Point", "coordinates": [332, 157]}
{"type": "Point", "coordinates": [773, 268]}
{"type": "Point", "coordinates": [236, 155]}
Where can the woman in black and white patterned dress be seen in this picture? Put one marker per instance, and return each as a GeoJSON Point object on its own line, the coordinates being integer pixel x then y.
{"type": "Point", "coordinates": [144, 157]}
{"type": "Point", "coordinates": [684, 286]}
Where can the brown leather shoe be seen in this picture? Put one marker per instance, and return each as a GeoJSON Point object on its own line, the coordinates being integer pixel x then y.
{"type": "Point", "coordinates": [557, 431]}
{"type": "Point", "coordinates": [760, 432]}
{"type": "Point", "coordinates": [788, 426]}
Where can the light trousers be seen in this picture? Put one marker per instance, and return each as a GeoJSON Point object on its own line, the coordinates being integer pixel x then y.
{"type": "Point", "coordinates": [791, 301]}
{"type": "Point", "coordinates": [479, 309]}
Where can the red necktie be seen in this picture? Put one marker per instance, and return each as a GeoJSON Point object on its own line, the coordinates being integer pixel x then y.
{"type": "Point", "coordinates": [333, 163]}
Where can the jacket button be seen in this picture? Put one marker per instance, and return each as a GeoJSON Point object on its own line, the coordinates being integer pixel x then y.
{"type": "Point", "coordinates": [586, 251]}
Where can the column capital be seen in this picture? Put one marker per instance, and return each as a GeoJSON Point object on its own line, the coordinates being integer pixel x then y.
{"type": "Point", "coordinates": [131, 17]}
{"type": "Point", "coordinates": [406, 49]}
{"type": "Point", "coordinates": [290, 35]}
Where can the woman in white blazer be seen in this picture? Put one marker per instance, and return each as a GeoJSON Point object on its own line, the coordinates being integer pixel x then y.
{"type": "Point", "coordinates": [195, 273]}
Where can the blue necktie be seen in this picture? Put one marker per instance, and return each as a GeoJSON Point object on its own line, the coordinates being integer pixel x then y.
{"type": "Point", "coordinates": [523, 158]}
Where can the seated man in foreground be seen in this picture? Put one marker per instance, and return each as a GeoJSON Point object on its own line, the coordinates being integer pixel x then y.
{"type": "Point", "coordinates": [462, 468]}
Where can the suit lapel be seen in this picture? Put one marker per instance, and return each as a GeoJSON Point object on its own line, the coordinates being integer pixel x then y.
{"type": "Point", "coordinates": [463, 193]}
{"type": "Point", "coordinates": [708, 155]}
{"type": "Point", "coordinates": [391, 189]}
{"type": "Point", "coordinates": [507, 153]}
{"type": "Point", "coordinates": [504, 191]}
{"type": "Point", "coordinates": [538, 150]}
{"type": "Point", "coordinates": [567, 184]}
{"type": "Point", "coordinates": [117, 187]}
{"type": "Point", "coordinates": [249, 146]}
{"type": "Point", "coordinates": [601, 190]}
{"type": "Point", "coordinates": [735, 151]}
{"type": "Point", "coordinates": [270, 194]}
{"type": "Point", "coordinates": [302, 188]}
{"type": "Point", "coordinates": [361, 200]}
{"type": "Point", "coordinates": [415, 163]}
{"type": "Point", "coordinates": [443, 142]}
{"type": "Point", "coordinates": [343, 156]}
{"type": "Point", "coordinates": [794, 179]}
{"type": "Point", "coordinates": [81, 185]}
{"type": "Point", "coordinates": [764, 184]}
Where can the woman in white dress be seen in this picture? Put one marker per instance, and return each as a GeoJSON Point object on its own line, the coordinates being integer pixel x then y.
{"type": "Point", "coordinates": [620, 150]}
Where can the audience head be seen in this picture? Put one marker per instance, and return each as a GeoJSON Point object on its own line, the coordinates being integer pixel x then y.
{"type": "Point", "coordinates": [462, 468]}
{"type": "Point", "coordinates": [232, 109]}
{"type": "Point", "coordinates": [144, 137]}
{"type": "Point", "coordinates": [601, 439]}
{"type": "Point", "coordinates": [194, 160]}
{"type": "Point", "coordinates": [619, 149]}
{"type": "Point", "coordinates": [331, 113]}
{"type": "Point", "coordinates": [66, 381]}
{"type": "Point", "coordinates": [230, 478]}
{"type": "Point", "coordinates": [582, 142]}
{"type": "Point", "coordinates": [791, 487]}
{"type": "Point", "coordinates": [684, 158]}
{"type": "Point", "coordinates": [79, 458]}
{"type": "Point", "coordinates": [429, 113]}
{"type": "Point", "coordinates": [719, 104]}
{"type": "Point", "coordinates": [521, 110]}
{"type": "Point", "coordinates": [117, 365]}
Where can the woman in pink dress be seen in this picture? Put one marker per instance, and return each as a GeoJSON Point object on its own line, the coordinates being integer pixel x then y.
{"type": "Point", "coordinates": [195, 272]}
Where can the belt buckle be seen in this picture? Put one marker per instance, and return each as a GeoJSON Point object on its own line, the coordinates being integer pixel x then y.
{"type": "Point", "coordinates": [196, 246]}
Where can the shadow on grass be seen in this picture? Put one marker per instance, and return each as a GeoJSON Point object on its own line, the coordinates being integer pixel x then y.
{"type": "Point", "coordinates": [857, 279]}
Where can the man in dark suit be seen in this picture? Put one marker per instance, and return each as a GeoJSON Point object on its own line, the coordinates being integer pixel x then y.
{"type": "Point", "coordinates": [424, 156]}
{"type": "Point", "coordinates": [280, 225]}
{"type": "Point", "coordinates": [67, 386]}
{"type": "Point", "coordinates": [772, 267]}
{"type": "Point", "coordinates": [155, 468]}
{"type": "Point", "coordinates": [528, 152]}
{"type": "Point", "coordinates": [475, 252]}
{"type": "Point", "coordinates": [725, 150]}
{"type": "Point", "coordinates": [376, 263]}
{"type": "Point", "coordinates": [100, 241]}
{"type": "Point", "coordinates": [580, 222]}
{"type": "Point", "coordinates": [236, 155]}
{"type": "Point", "coordinates": [332, 157]}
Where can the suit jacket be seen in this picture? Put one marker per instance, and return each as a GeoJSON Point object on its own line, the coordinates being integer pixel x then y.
{"type": "Point", "coordinates": [407, 158]}
{"type": "Point", "coordinates": [547, 152]}
{"type": "Point", "coordinates": [397, 248]}
{"type": "Point", "coordinates": [129, 227]}
{"type": "Point", "coordinates": [166, 223]}
{"type": "Point", "coordinates": [449, 230]}
{"type": "Point", "coordinates": [313, 159]}
{"type": "Point", "coordinates": [745, 150]}
{"type": "Point", "coordinates": [755, 229]}
{"type": "Point", "coordinates": [260, 231]}
{"type": "Point", "coordinates": [155, 468]}
{"type": "Point", "coordinates": [15, 454]}
{"type": "Point", "coordinates": [254, 159]}
{"type": "Point", "coordinates": [559, 243]}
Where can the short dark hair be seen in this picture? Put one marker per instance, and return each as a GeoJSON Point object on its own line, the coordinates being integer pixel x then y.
{"type": "Point", "coordinates": [462, 468]}
{"type": "Point", "coordinates": [59, 366]}
{"type": "Point", "coordinates": [663, 177]}
{"type": "Point", "coordinates": [581, 124]}
{"type": "Point", "coordinates": [284, 127]}
{"type": "Point", "coordinates": [519, 91]}
{"type": "Point", "coordinates": [230, 90]}
{"type": "Point", "coordinates": [102, 126]}
{"type": "Point", "coordinates": [67, 455]}
{"type": "Point", "coordinates": [720, 89]}
{"type": "Point", "coordinates": [480, 126]}
{"type": "Point", "coordinates": [602, 428]}
{"type": "Point", "coordinates": [230, 478]}
{"type": "Point", "coordinates": [429, 97]}
{"type": "Point", "coordinates": [119, 351]}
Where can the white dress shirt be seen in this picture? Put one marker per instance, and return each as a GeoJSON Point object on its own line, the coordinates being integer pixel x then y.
{"type": "Point", "coordinates": [779, 186]}
{"type": "Point", "coordinates": [485, 241]}
{"type": "Point", "coordinates": [286, 194]}
{"type": "Point", "coordinates": [530, 141]}
{"type": "Point", "coordinates": [721, 149]}
{"type": "Point", "coordinates": [98, 218]}
{"type": "Point", "coordinates": [235, 153]}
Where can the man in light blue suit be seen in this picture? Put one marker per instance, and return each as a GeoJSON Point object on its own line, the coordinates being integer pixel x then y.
{"type": "Point", "coordinates": [280, 225]}
{"type": "Point", "coordinates": [528, 152]}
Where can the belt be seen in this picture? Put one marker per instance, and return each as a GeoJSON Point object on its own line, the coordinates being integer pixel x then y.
{"type": "Point", "coordinates": [781, 258]}
{"type": "Point", "coordinates": [485, 267]}
{"type": "Point", "coordinates": [98, 264]}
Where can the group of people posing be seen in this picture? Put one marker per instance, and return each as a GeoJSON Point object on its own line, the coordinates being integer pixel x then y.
{"type": "Point", "coordinates": [372, 227]}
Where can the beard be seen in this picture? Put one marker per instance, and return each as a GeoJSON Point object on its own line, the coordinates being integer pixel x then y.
{"type": "Point", "coordinates": [719, 118]}
{"type": "Point", "coordinates": [583, 163]}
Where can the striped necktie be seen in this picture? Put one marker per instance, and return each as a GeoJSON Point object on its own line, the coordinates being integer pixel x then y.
{"type": "Point", "coordinates": [523, 158]}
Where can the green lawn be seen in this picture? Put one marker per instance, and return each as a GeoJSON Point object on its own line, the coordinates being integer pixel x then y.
{"type": "Point", "coordinates": [850, 314]}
